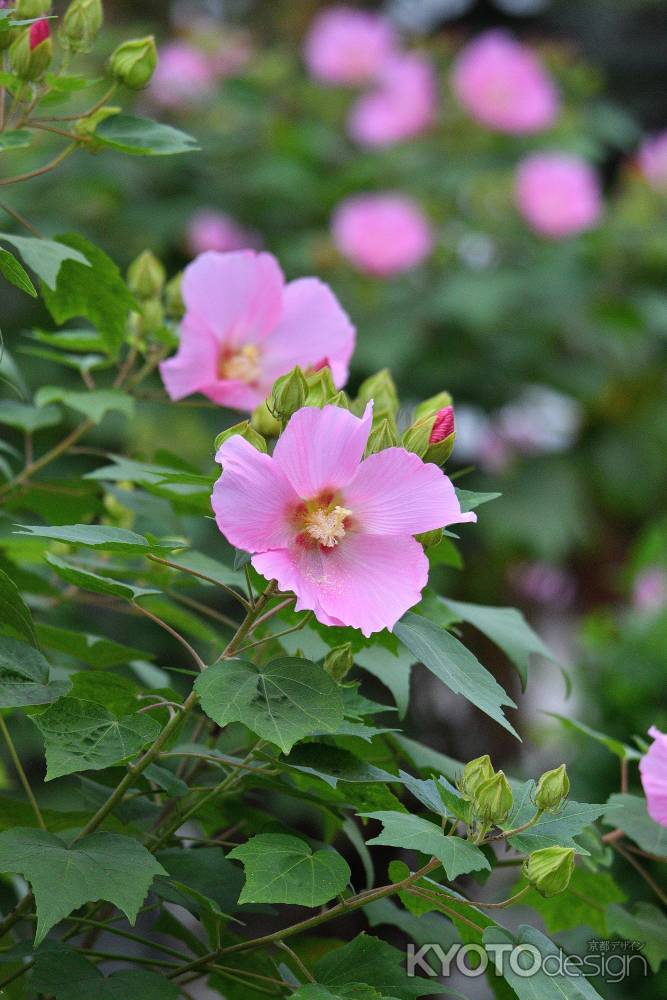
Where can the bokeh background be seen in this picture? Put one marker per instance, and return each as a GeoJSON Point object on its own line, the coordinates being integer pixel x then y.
{"type": "Point", "coordinates": [553, 349]}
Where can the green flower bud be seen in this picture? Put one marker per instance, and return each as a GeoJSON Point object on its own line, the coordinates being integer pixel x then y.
{"type": "Point", "coordinates": [432, 405]}
{"type": "Point", "coordinates": [247, 432]}
{"type": "Point", "coordinates": [339, 661]}
{"type": "Point", "coordinates": [288, 395]}
{"type": "Point", "coordinates": [341, 399]}
{"type": "Point", "coordinates": [81, 24]}
{"type": "Point", "coordinates": [152, 316]}
{"type": "Point", "coordinates": [31, 52]}
{"type": "Point", "coordinates": [549, 870]}
{"type": "Point", "coordinates": [321, 387]}
{"type": "Point", "coordinates": [383, 435]}
{"type": "Point", "coordinates": [264, 422]}
{"type": "Point", "coordinates": [146, 276]}
{"type": "Point", "coordinates": [173, 298]}
{"type": "Point", "coordinates": [552, 789]}
{"type": "Point", "coordinates": [32, 8]}
{"type": "Point", "coordinates": [133, 63]}
{"type": "Point", "coordinates": [474, 774]}
{"type": "Point", "coordinates": [492, 799]}
{"type": "Point", "coordinates": [416, 437]}
{"type": "Point", "coordinates": [382, 389]}
{"type": "Point", "coordinates": [429, 539]}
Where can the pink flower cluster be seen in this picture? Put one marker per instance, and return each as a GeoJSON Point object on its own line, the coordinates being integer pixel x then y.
{"type": "Point", "coordinates": [558, 194]}
{"type": "Point", "coordinates": [382, 234]}
{"type": "Point", "coordinates": [652, 161]}
{"type": "Point", "coordinates": [334, 528]}
{"type": "Point", "coordinates": [244, 327]}
{"type": "Point", "coordinates": [212, 230]}
{"type": "Point", "coordinates": [653, 770]}
{"type": "Point", "coordinates": [503, 85]}
{"type": "Point", "coordinates": [353, 47]}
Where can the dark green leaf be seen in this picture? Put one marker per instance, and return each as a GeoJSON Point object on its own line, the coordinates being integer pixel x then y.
{"type": "Point", "coordinates": [368, 960]}
{"type": "Point", "coordinates": [584, 902]}
{"type": "Point", "coordinates": [91, 536]}
{"type": "Point", "coordinates": [646, 924]}
{"type": "Point", "coordinates": [333, 764]}
{"type": "Point", "coordinates": [551, 829]}
{"type": "Point", "coordinates": [18, 138]}
{"type": "Point", "coordinates": [539, 986]}
{"type": "Point", "coordinates": [469, 500]}
{"type": "Point", "coordinates": [24, 676]}
{"type": "Point", "coordinates": [94, 405]}
{"type": "Point", "coordinates": [14, 612]}
{"type": "Point", "coordinates": [97, 651]}
{"type": "Point", "coordinates": [283, 869]}
{"type": "Point", "coordinates": [65, 974]}
{"type": "Point", "coordinates": [143, 137]}
{"type": "Point", "coordinates": [412, 833]}
{"type": "Point", "coordinates": [88, 580]}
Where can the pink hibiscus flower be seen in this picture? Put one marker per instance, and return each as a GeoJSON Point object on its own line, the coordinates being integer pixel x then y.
{"type": "Point", "coordinates": [333, 528]}
{"type": "Point", "coordinates": [348, 46]}
{"type": "Point", "coordinates": [212, 230]}
{"type": "Point", "coordinates": [382, 234]}
{"type": "Point", "coordinates": [653, 770]}
{"type": "Point", "coordinates": [503, 85]}
{"type": "Point", "coordinates": [403, 104]}
{"type": "Point", "coordinates": [652, 159]}
{"type": "Point", "coordinates": [184, 76]}
{"type": "Point", "coordinates": [558, 194]}
{"type": "Point", "coordinates": [244, 328]}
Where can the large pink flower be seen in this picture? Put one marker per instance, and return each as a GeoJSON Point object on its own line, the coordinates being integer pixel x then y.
{"type": "Point", "coordinates": [244, 328]}
{"type": "Point", "coordinates": [333, 528]}
{"type": "Point", "coordinates": [558, 194]}
{"type": "Point", "coordinates": [184, 75]}
{"type": "Point", "coordinates": [653, 161]}
{"type": "Point", "coordinates": [403, 104]}
{"type": "Point", "coordinates": [348, 46]}
{"type": "Point", "coordinates": [653, 770]}
{"type": "Point", "coordinates": [503, 85]}
{"type": "Point", "coordinates": [382, 234]}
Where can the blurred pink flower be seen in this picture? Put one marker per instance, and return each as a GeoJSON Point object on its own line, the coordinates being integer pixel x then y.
{"type": "Point", "coordinates": [543, 583]}
{"type": "Point", "coordinates": [382, 234]}
{"type": "Point", "coordinates": [211, 230]}
{"type": "Point", "coordinates": [652, 159]}
{"type": "Point", "coordinates": [653, 770]}
{"type": "Point", "coordinates": [348, 46]}
{"type": "Point", "coordinates": [403, 104]}
{"type": "Point", "coordinates": [244, 327]}
{"type": "Point", "coordinates": [39, 32]}
{"type": "Point", "coordinates": [336, 530]}
{"type": "Point", "coordinates": [558, 194]}
{"type": "Point", "coordinates": [184, 75]}
{"type": "Point", "coordinates": [503, 85]}
{"type": "Point", "coordinates": [649, 592]}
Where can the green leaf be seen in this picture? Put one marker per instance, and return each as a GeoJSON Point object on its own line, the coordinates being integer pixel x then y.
{"type": "Point", "coordinates": [374, 962]}
{"type": "Point", "coordinates": [143, 137]}
{"type": "Point", "coordinates": [508, 629]}
{"type": "Point", "coordinates": [113, 691]}
{"type": "Point", "coordinates": [96, 292]}
{"type": "Point", "coordinates": [83, 736]}
{"type": "Point", "coordinates": [621, 750]}
{"type": "Point", "coordinates": [97, 651]}
{"type": "Point", "coordinates": [392, 669]}
{"type": "Point", "coordinates": [28, 418]}
{"type": "Point", "coordinates": [47, 257]}
{"type": "Point", "coordinates": [14, 273]}
{"type": "Point", "coordinates": [333, 764]}
{"type": "Point", "coordinates": [357, 991]}
{"type": "Point", "coordinates": [282, 702]}
{"type": "Point", "coordinates": [14, 612]}
{"type": "Point", "coordinates": [553, 985]}
{"type": "Point", "coordinates": [412, 833]}
{"type": "Point", "coordinates": [104, 866]}
{"type": "Point", "coordinates": [24, 676]}
{"type": "Point", "coordinates": [469, 500]}
{"type": "Point", "coordinates": [19, 138]}
{"type": "Point", "coordinates": [583, 904]}
{"type": "Point", "coordinates": [65, 974]}
{"type": "Point", "coordinates": [646, 924]}
{"type": "Point", "coordinates": [94, 404]}
{"type": "Point", "coordinates": [280, 868]}
{"type": "Point", "coordinates": [88, 580]}
{"type": "Point", "coordinates": [91, 536]}
{"type": "Point", "coordinates": [630, 814]}
{"type": "Point", "coordinates": [454, 665]}
{"type": "Point", "coordinates": [206, 871]}
{"type": "Point", "coordinates": [551, 829]}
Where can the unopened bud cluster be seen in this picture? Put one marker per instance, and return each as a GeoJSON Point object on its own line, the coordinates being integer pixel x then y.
{"type": "Point", "coordinates": [490, 793]}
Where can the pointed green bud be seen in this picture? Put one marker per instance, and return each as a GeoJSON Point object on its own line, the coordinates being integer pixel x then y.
{"type": "Point", "coordinates": [429, 539]}
{"type": "Point", "coordinates": [549, 870]}
{"type": "Point", "coordinates": [264, 422]}
{"type": "Point", "coordinates": [173, 298]}
{"type": "Point", "coordinates": [81, 24]}
{"type": "Point", "coordinates": [432, 405]}
{"type": "Point", "coordinates": [492, 799]}
{"type": "Point", "coordinates": [133, 63]}
{"type": "Point", "coordinates": [321, 387]}
{"type": "Point", "coordinates": [27, 9]}
{"type": "Point", "coordinates": [146, 276]}
{"type": "Point", "coordinates": [552, 789]}
{"type": "Point", "coordinates": [247, 432]}
{"type": "Point", "coordinates": [341, 399]}
{"type": "Point", "coordinates": [382, 389]}
{"type": "Point", "coordinates": [339, 661]}
{"type": "Point", "coordinates": [474, 774]}
{"type": "Point", "coordinates": [288, 395]}
{"type": "Point", "coordinates": [383, 435]}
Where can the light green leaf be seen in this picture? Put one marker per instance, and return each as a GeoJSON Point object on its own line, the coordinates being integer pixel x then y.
{"type": "Point", "coordinates": [647, 924]}
{"type": "Point", "coordinates": [46, 257]}
{"type": "Point", "coordinates": [83, 736]}
{"type": "Point", "coordinates": [583, 904]}
{"type": "Point", "coordinates": [283, 869]}
{"type": "Point", "coordinates": [18, 138]}
{"type": "Point", "coordinates": [94, 404]}
{"type": "Point", "coordinates": [469, 500]}
{"type": "Point", "coordinates": [28, 418]}
{"type": "Point", "coordinates": [551, 829]}
{"type": "Point", "coordinates": [412, 833]}
{"type": "Point", "coordinates": [143, 137]}
{"type": "Point", "coordinates": [371, 961]}
{"type": "Point", "coordinates": [282, 702]}
{"type": "Point", "coordinates": [88, 580]}
{"type": "Point", "coordinates": [65, 974]}
{"type": "Point", "coordinates": [14, 612]}
{"type": "Point", "coordinates": [102, 866]}
{"type": "Point", "coordinates": [621, 750]}
{"type": "Point", "coordinates": [454, 665]}
{"type": "Point", "coordinates": [91, 536]}
{"type": "Point", "coordinates": [14, 273]}
{"type": "Point", "coordinates": [630, 814]}
{"type": "Point", "coordinates": [97, 651]}
{"type": "Point", "coordinates": [24, 676]}
{"type": "Point", "coordinates": [539, 986]}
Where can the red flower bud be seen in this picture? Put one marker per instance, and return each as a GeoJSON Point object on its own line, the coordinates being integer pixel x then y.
{"type": "Point", "coordinates": [39, 32]}
{"type": "Point", "coordinates": [443, 425]}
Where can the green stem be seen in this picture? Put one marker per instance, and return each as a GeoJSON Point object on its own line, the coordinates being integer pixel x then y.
{"type": "Point", "coordinates": [16, 760]}
{"type": "Point", "coordinates": [512, 833]}
{"type": "Point", "coordinates": [51, 165]}
{"type": "Point", "coordinates": [47, 457]}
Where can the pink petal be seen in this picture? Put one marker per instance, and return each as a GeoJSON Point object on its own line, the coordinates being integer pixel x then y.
{"type": "Point", "coordinates": [313, 326]}
{"type": "Point", "coordinates": [653, 770]}
{"type": "Point", "coordinates": [321, 449]}
{"type": "Point", "coordinates": [237, 296]}
{"type": "Point", "coordinates": [252, 499]}
{"type": "Point", "coordinates": [366, 582]}
{"type": "Point", "coordinates": [395, 493]}
{"type": "Point", "coordinates": [195, 363]}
